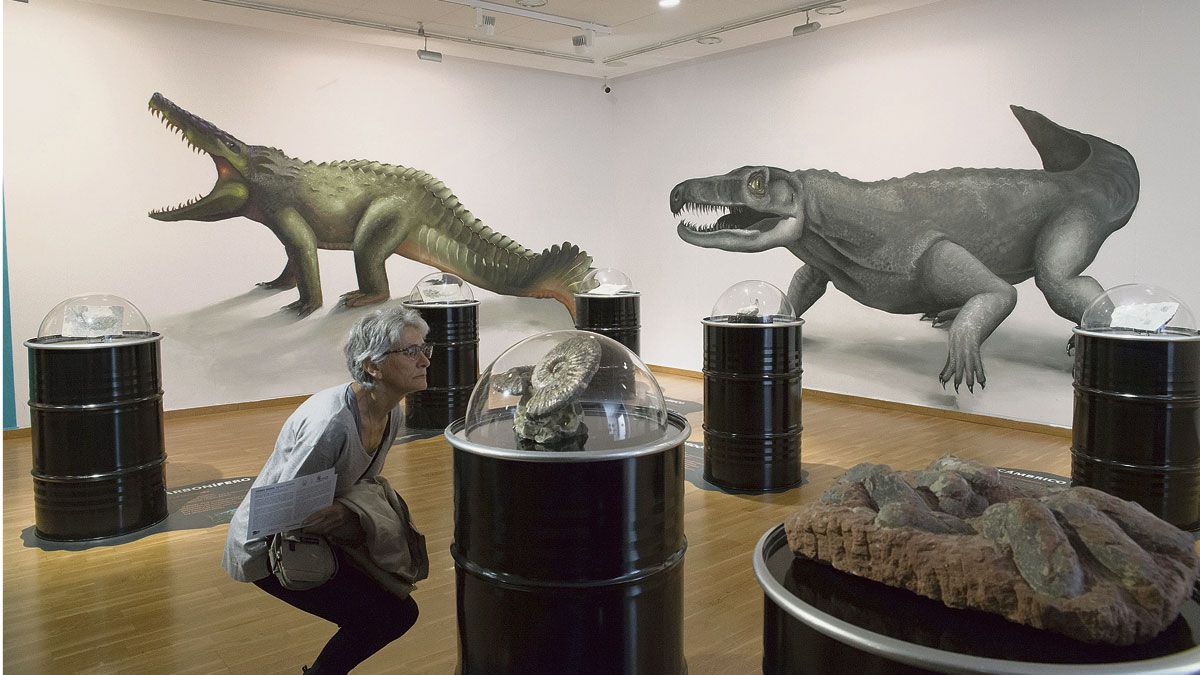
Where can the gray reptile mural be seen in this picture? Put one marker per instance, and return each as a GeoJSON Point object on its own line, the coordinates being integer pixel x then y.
{"type": "Point", "coordinates": [948, 244]}
{"type": "Point", "coordinates": [373, 209]}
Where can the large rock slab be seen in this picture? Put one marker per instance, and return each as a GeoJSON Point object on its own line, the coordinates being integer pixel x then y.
{"type": "Point", "coordinates": [1075, 561]}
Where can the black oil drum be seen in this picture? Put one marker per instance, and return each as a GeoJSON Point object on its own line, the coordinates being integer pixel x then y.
{"type": "Point", "coordinates": [453, 368]}
{"type": "Point", "coordinates": [818, 620]}
{"type": "Point", "coordinates": [615, 316]}
{"type": "Point", "coordinates": [96, 422]}
{"type": "Point", "coordinates": [752, 403]}
{"type": "Point", "coordinates": [569, 562]}
{"type": "Point", "coordinates": [1136, 425]}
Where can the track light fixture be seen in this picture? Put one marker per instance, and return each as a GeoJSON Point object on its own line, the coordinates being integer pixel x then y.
{"type": "Point", "coordinates": [425, 54]}
{"type": "Point", "coordinates": [499, 8]}
{"type": "Point", "coordinates": [806, 27]}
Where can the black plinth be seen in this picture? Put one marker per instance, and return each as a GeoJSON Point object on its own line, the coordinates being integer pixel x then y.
{"type": "Point", "coordinates": [96, 422]}
{"type": "Point", "coordinates": [818, 620]}
{"type": "Point", "coordinates": [569, 562]}
{"type": "Point", "coordinates": [453, 368]}
{"type": "Point", "coordinates": [752, 404]}
{"type": "Point", "coordinates": [615, 316]}
{"type": "Point", "coordinates": [1136, 425]}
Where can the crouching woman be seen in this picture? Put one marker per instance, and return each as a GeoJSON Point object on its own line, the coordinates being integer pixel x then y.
{"type": "Point", "coordinates": [350, 429]}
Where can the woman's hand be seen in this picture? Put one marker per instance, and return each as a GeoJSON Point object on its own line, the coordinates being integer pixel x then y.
{"type": "Point", "coordinates": [335, 520]}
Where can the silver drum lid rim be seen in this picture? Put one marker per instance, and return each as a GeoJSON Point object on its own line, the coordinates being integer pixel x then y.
{"type": "Point", "coordinates": [1181, 663]}
{"type": "Point", "coordinates": [34, 344]}
{"type": "Point", "coordinates": [684, 430]}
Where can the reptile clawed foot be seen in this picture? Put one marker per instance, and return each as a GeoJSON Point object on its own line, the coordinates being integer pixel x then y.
{"type": "Point", "coordinates": [276, 284]}
{"type": "Point", "coordinates": [942, 318]}
{"type": "Point", "coordinates": [963, 363]}
{"type": "Point", "coordinates": [301, 307]}
{"type": "Point", "coordinates": [361, 299]}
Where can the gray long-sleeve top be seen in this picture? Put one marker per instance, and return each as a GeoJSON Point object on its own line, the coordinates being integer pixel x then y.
{"type": "Point", "coordinates": [322, 433]}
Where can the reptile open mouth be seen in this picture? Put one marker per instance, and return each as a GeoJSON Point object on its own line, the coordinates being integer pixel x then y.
{"type": "Point", "coordinates": [174, 128]}
{"type": "Point", "coordinates": [228, 192]}
{"type": "Point", "coordinates": [735, 217]}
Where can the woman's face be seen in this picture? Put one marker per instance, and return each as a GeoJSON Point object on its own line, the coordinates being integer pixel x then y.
{"type": "Point", "coordinates": [400, 371]}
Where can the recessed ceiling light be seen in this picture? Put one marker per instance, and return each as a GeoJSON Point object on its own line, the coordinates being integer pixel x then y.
{"type": "Point", "coordinates": [709, 40]}
{"type": "Point", "coordinates": [531, 3]}
{"type": "Point", "coordinates": [668, 3]}
{"type": "Point", "coordinates": [830, 10]}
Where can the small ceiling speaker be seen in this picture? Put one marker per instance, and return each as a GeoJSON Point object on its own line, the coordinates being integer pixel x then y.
{"type": "Point", "coordinates": [484, 23]}
{"type": "Point", "coordinates": [581, 44]}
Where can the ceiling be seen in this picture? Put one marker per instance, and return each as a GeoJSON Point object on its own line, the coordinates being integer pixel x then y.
{"type": "Point", "coordinates": [643, 34]}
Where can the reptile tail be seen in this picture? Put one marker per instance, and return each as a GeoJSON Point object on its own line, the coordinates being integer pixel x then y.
{"type": "Point", "coordinates": [558, 272]}
{"type": "Point", "coordinates": [1100, 164]}
{"type": "Point", "coordinates": [455, 241]}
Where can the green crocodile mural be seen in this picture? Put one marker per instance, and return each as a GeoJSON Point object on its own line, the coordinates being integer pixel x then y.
{"type": "Point", "coordinates": [370, 208]}
{"type": "Point", "coordinates": [948, 244]}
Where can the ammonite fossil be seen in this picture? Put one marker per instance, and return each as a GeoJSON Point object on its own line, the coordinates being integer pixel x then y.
{"type": "Point", "coordinates": [563, 374]}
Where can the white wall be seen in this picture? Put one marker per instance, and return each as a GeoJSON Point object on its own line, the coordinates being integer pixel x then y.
{"type": "Point", "coordinates": [85, 161]}
{"type": "Point", "coordinates": [546, 158]}
{"type": "Point", "coordinates": [915, 91]}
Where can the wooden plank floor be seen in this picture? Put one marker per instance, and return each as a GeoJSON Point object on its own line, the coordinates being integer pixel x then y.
{"type": "Point", "coordinates": [163, 604]}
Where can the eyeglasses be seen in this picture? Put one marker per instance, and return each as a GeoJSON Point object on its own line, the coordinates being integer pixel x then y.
{"type": "Point", "coordinates": [411, 351]}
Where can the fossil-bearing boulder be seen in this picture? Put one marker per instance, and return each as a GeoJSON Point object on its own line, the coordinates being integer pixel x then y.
{"type": "Point", "coordinates": [1075, 561]}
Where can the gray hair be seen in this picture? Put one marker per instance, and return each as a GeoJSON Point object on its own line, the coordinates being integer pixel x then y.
{"type": "Point", "coordinates": [376, 333]}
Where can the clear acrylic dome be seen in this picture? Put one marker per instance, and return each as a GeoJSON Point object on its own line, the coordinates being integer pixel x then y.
{"type": "Point", "coordinates": [94, 317]}
{"type": "Point", "coordinates": [566, 390]}
{"type": "Point", "coordinates": [441, 288]}
{"type": "Point", "coordinates": [607, 281]}
{"type": "Point", "coordinates": [1139, 309]}
{"type": "Point", "coordinates": [752, 302]}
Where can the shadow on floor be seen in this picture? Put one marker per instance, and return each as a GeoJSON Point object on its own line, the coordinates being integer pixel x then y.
{"type": "Point", "coordinates": [189, 507]}
{"type": "Point", "coordinates": [693, 472]}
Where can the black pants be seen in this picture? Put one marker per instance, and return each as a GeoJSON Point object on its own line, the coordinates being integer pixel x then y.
{"type": "Point", "coordinates": [367, 615]}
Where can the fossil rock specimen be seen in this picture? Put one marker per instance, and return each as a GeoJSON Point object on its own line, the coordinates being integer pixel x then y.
{"type": "Point", "coordinates": [549, 412]}
{"type": "Point", "coordinates": [1075, 561]}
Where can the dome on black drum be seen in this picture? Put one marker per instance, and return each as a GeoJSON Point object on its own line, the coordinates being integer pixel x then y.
{"type": "Point", "coordinates": [441, 288]}
{"type": "Point", "coordinates": [607, 281]}
{"type": "Point", "coordinates": [91, 319]}
{"type": "Point", "coordinates": [753, 302]}
{"type": "Point", "coordinates": [1140, 310]}
{"type": "Point", "coordinates": [566, 391]}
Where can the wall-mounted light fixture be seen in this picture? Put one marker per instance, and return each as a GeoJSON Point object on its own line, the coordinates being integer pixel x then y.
{"type": "Point", "coordinates": [806, 27]}
{"type": "Point", "coordinates": [425, 54]}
